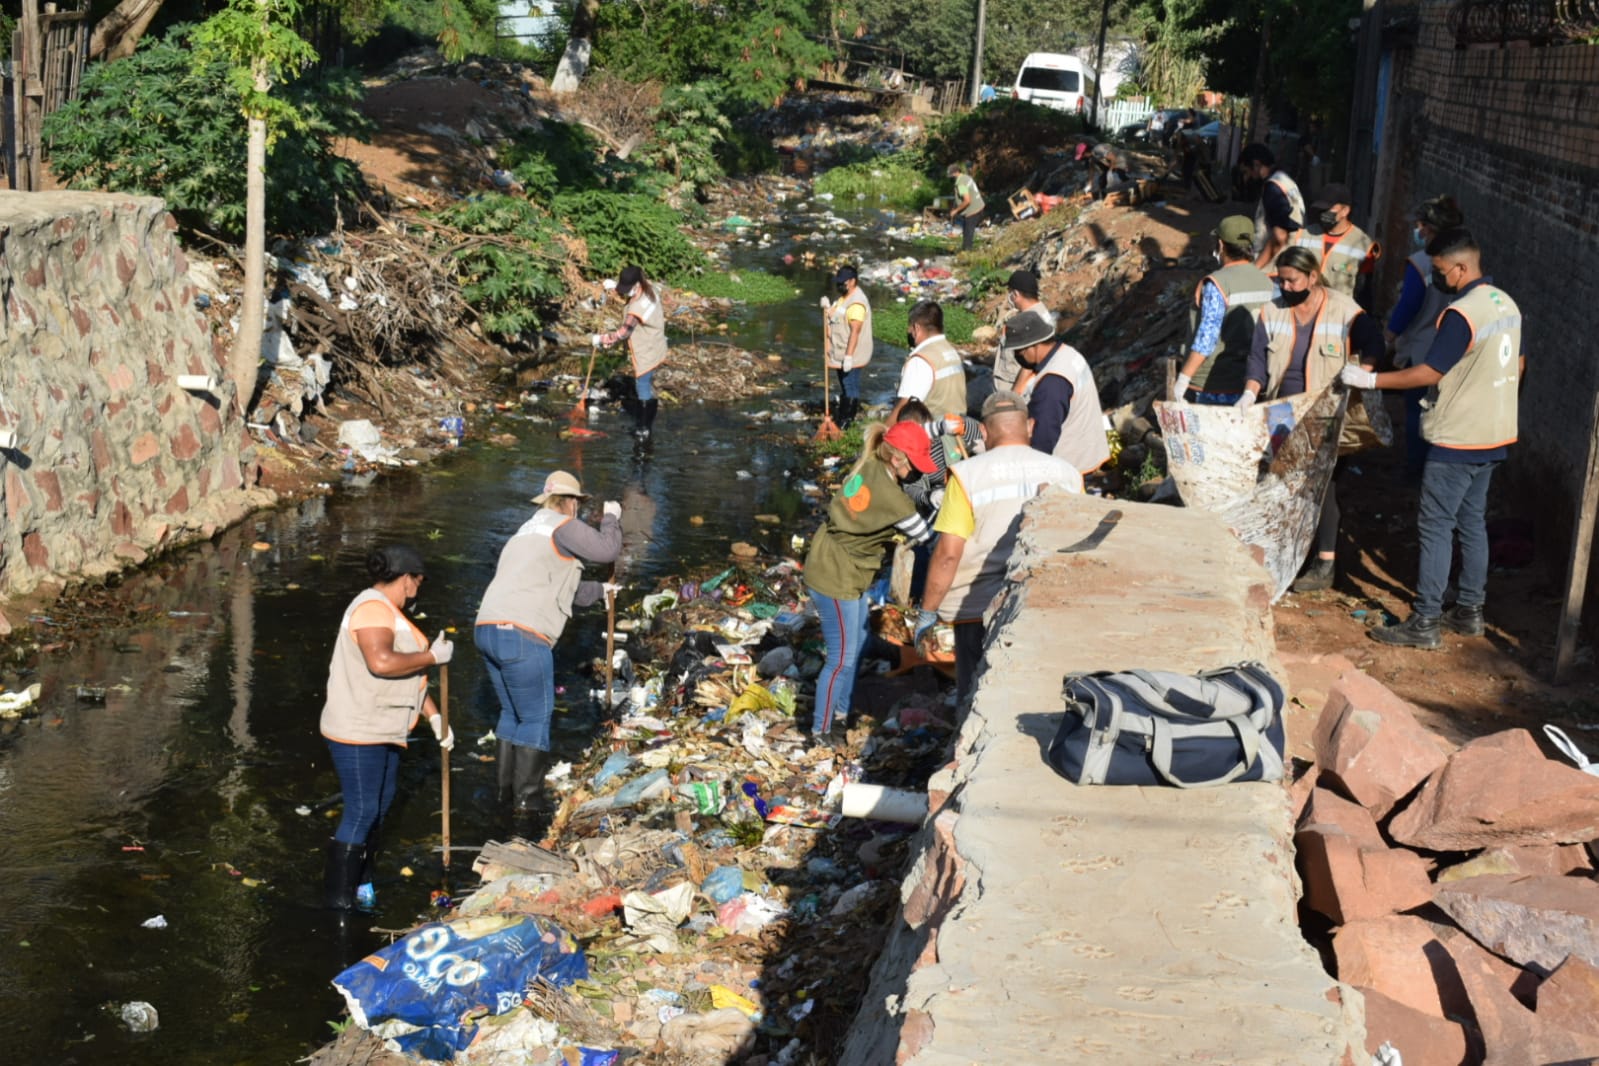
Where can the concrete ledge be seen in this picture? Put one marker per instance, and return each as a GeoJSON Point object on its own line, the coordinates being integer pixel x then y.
{"type": "Point", "coordinates": [1049, 923]}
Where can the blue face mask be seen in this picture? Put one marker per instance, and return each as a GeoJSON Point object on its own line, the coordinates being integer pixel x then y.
{"type": "Point", "coordinates": [1418, 239]}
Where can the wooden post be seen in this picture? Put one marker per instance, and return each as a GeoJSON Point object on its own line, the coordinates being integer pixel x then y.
{"type": "Point", "coordinates": [1581, 548]}
{"type": "Point", "coordinates": [29, 94]}
{"type": "Point", "coordinates": [444, 756]}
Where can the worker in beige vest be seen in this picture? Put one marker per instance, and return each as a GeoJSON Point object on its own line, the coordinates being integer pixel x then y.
{"type": "Point", "coordinates": [1348, 256]}
{"type": "Point", "coordinates": [977, 526]}
{"type": "Point", "coordinates": [1227, 305]}
{"type": "Point", "coordinates": [848, 337]}
{"type": "Point", "coordinates": [644, 329]}
{"type": "Point", "coordinates": [1280, 214]}
{"type": "Point", "coordinates": [377, 690]}
{"type": "Point", "coordinates": [1413, 321]}
{"type": "Point", "coordinates": [1305, 337]}
{"type": "Point", "coordinates": [933, 371]}
{"type": "Point", "coordinates": [537, 582]}
{"type": "Point", "coordinates": [1062, 399]}
{"type": "Point", "coordinates": [1473, 374]}
{"type": "Point", "coordinates": [1021, 294]}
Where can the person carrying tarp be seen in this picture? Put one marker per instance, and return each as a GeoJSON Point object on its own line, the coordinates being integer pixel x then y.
{"type": "Point", "coordinates": [1227, 305]}
{"type": "Point", "coordinates": [1304, 338]}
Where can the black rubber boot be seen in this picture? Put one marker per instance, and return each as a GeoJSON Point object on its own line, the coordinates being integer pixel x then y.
{"type": "Point", "coordinates": [646, 423]}
{"type": "Point", "coordinates": [1317, 576]}
{"type": "Point", "coordinates": [532, 764]}
{"type": "Point", "coordinates": [505, 771]}
{"type": "Point", "coordinates": [1413, 632]}
{"type": "Point", "coordinates": [342, 874]}
{"type": "Point", "coordinates": [1464, 620]}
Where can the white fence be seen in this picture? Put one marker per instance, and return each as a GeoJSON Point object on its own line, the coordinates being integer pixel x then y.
{"type": "Point", "coordinates": [1114, 114]}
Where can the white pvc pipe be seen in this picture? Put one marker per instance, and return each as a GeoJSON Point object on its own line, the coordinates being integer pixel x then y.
{"type": "Point", "coordinates": [197, 383]}
{"type": "Point", "coordinates": [8, 438]}
{"type": "Point", "coordinates": [884, 804]}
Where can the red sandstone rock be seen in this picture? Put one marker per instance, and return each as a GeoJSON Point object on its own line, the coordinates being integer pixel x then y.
{"type": "Point", "coordinates": [1557, 860]}
{"type": "Point", "coordinates": [1347, 870]}
{"type": "Point", "coordinates": [1394, 956]}
{"type": "Point", "coordinates": [1569, 997]}
{"type": "Point", "coordinates": [1500, 790]}
{"type": "Point", "coordinates": [1513, 1035]}
{"type": "Point", "coordinates": [1370, 744]}
{"type": "Point", "coordinates": [1327, 807]}
{"type": "Point", "coordinates": [1420, 1038]}
{"type": "Point", "coordinates": [1535, 922]}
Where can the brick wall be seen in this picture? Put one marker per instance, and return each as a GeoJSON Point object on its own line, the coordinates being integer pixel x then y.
{"type": "Point", "coordinates": [1513, 132]}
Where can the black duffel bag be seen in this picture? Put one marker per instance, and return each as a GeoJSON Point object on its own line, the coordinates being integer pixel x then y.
{"type": "Point", "coordinates": [1154, 727]}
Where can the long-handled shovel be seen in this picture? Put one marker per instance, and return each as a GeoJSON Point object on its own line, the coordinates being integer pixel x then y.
{"type": "Point", "coordinates": [828, 430]}
{"type": "Point", "coordinates": [444, 756]}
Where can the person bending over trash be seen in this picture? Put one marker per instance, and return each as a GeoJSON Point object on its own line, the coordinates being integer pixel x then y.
{"type": "Point", "coordinates": [377, 689]}
{"type": "Point", "coordinates": [536, 584]}
{"type": "Point", "coordinates": [864, 517]}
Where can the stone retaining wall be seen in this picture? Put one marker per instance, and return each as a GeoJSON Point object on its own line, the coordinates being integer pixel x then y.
{"type": "Point", "coordinates": [112, 460]}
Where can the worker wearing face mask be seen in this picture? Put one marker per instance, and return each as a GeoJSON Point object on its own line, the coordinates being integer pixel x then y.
{"type": "Point", "coordinates": [849, 340]}
{"type": "Point", "coordinates": [644, 329]}
{"type": "Point", "coordinates": [1021, 294]}
{"type": "Point", "coordinates": [1413, 322]}
{"type": "Point", "coordinates": [1347, 254]}
{"type": "Point", "coordinates": [1226, 307]}
{"type": "Point", "coordinates": [933, 372]}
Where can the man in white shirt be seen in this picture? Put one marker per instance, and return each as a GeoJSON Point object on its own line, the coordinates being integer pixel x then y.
{"type": "Point", "coordinates": [933, 372]}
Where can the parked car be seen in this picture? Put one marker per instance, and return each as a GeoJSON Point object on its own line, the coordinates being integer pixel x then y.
{"type": "Point", "coordinates": [1049, 79]}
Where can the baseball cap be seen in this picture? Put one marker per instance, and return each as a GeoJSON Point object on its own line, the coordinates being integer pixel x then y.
{"type": "Point", "coordinates": [845, 273]}
{"type": "Point", "coordinates": [1026, 329]}
{"type": "Point", "coordinates": [402, 559]}
{"type": "Point", "coordinates": [1236, 230]}
{"type": "Point", "coordinates": [912, 439]}
{"type": "Point", "coordinates": [1333, 194]}
{"type": "Point", "coordinates": [1003, 401]}
{"type": "Point", "coordinates": [1024, 282]}
{"type": "Point", "coordinates": [560, 483]}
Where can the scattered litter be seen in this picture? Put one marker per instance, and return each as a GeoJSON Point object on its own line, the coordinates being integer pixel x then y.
{"type": "Point", "coordinates": [158, 922]}
{"type": "Point", "coordinates": [140, 1017]}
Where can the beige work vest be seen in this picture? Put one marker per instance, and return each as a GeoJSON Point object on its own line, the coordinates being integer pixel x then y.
{"type": "Point", "coordinates": [1246, 290]}
{"type": "Point", "coordinates": [535, 582]}
{"type": "Point", "coordinates": [361, 707]}
{"type": "Point", "coordinates": [1082, 439]}
{"type": "Point", "coordinates": [948, 394]}
{"type": "Point", "coordinates": [1296, 210]}
{"type": "Point", "coordinates": [838, 332]}
{"type": "Point", "coordinates": [997, 483]}
{"type": "Point", "coordinates": [1474, 405]}
{"type": "Point", "coordinates": [1340, 267]}
{"type": "Point", "coordinates": [647, 342]}
{"type": "Point", "coordinates": [1329, 342]}
{"type": "Point", "coordinates": [1410, 347]}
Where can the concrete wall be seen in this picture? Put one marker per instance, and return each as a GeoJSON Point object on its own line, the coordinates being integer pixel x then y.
{"type": "Point", "coordinates": [112, 460]}
{"type": "Point", "coordinates": [1511, 131]}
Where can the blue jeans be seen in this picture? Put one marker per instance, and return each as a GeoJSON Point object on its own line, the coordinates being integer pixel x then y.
{"type": "Point", "coordinates": [849, 383]}
{"type": "Point", "coordinates": [368, 774]}
{"type": "Point", "coordinates": [1454, 499]}
{"type": "Point", "coordinates": [521, 668]}
{"type": "Point", "coordinates": [844, 630]}
{"type": "Point", "coordinates": [644, 385]}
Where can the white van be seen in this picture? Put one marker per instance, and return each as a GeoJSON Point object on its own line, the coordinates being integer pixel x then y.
{"type": "Point", "coordinates": [1053, 80]}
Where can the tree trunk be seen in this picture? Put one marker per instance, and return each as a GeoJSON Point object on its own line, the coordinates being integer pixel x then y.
{"type": "Point", "coordinates": [117, 34]}
{"type": "Point", "coordinates": [245, 360]}
{"type": "Point", "coordinates": [579, 47]}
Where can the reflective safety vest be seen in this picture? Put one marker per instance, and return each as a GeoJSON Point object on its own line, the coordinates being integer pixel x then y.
{"type": "Point", "coordinates": [1410, 347]}
{"type": "Point", "coordinates": [1246, 290]}
{"type": "Point", "coordinates": [948, 394]}
{"type": "Point", "coordinates": [1474, 405]}
{"type": "Point", "coordinates": [1340, 267]}
{"type": "Point", "coordinates": [1082, 440]}
{"type": "Point", "coordinates": [1329, 344]}
{"type": "Point", "coordinates": [1296, 209]}
{"type": "Point", "coordinates": [647, 342]}
{"type": "Point", "coordinates": [535, 581]}
{"type": "Point", "coordinates": [838, 332]}
{"type": "Point", "coordinates": [361, 707]}
{"type": "Point", "coordinates": [997, 483]}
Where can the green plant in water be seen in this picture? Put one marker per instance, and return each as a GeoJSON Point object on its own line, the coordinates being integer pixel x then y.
{"type": "Point", "coordinates": [748, 286]}
{"type": "Point", "coordinates": [847, 447]}
{"type": "Point", "coordinates": [885, 180]}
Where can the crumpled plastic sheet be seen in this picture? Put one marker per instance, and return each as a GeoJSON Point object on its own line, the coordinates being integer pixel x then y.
{"type": "Point", "coordinates": [716, 1037]}
{"type": "Point", "coordinates": [653, 919]}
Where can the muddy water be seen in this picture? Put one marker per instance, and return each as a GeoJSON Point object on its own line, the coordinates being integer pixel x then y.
{"type": "Point", "coordinates": [167, 771]}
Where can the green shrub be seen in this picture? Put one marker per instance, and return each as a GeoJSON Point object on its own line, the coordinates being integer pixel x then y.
{"type": "Point", "coordinates": [514, 280]}
{"type": "Point", "coordinates": [157, 125]}
{"type": "Point", "coordinates": [749, 286]}
{"type": "Point", "coordinates": [893, 181]}
{"type": "Point", "coordinates": [683, 143]}
{"type": "Point", "coordinates": [890, 322]}
{"type": "Point", "coordinates": [623, 228]}
{"type": "Point", "coordinates": [745, 153]}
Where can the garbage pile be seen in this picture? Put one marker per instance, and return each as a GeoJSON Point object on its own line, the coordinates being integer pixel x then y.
{"type": "Point", "coordinates": [813, 131]}
{"type": "Point", "coordinates": [700, 860]}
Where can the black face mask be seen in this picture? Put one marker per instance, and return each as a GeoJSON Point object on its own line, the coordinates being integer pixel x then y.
{"type": "Point", "coordinates": [843, 287]}
{"type": "Point", "coordinates": [910, 340]}
{"type": "Point", "coordinates": [1441, 283]}
{"type": "Point", "coordinates": [1294, 299]}
{"type": "Point", "coordinates": [1329, 219]}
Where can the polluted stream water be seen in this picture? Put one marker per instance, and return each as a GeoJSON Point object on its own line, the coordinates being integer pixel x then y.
{"type": "Point", "coordinates": [171, 767]}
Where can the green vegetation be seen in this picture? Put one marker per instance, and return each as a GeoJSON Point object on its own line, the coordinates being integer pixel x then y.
{"type": "Point", "coordinates": [846, 447]}
{"type": "Point", "coordinates": [895, 181]}
{"type": "Point", "coordinates": [623, 228]}
{"type": "Point", "coordinates": [890, 322]}
{"type": "Point", "coordinates": [159, 124]}
{"type": "Point", "coordinates": [685, 138]}
{"type": "Point", "coordinates": [514, 274]}
{"type": "Point", "coordinates": [749, 286]}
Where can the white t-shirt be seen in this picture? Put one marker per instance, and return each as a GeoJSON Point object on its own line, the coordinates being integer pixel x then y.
{"type": "Point", "coordinates": [916, 379]}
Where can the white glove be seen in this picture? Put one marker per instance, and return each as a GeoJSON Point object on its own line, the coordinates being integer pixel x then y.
{"type": "Point", "coordinates": [442, 648]}
{"type": "Point", "coordinates": [611, 589]}
{"type": "Point", "coordinates": [1358, 377]}
{"type": "Point", "coordinates": [612, 509]}
{"type": "Point", "coordinates": [1246, 401]}
{"type": "Point", "coordinates": [1181, 387]}
{"type": "Point", "coordinates": [445, 737]}
{"type": "Point", "coordinates": [594, 339]}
